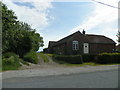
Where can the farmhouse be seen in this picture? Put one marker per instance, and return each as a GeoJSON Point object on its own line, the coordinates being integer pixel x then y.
{"type": "Point", "coordinates": [81, 43]}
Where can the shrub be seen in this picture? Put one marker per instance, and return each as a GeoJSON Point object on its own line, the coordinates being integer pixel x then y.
{"type": "Point", "coordinates": [10, 61]}
{"type": "Point", "coordinates": [88, 57]}
{"type": "Point", "coordinates": [73, 59]}
{"type": "Point", "coordinates": [31, 57]}
{"type": "Point", "coordinates": [108, 58]}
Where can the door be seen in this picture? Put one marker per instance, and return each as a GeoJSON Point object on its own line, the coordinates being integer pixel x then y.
{"type": "Point", "coordinates": [86, 48]}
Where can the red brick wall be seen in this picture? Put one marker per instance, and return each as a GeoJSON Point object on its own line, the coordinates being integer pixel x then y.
{"type": "Point", "coordinates": [66, 48]}
{"type": "Point", "coordinates": [61, 49]}
{"type": "Point", "coordinates": [101, 48]}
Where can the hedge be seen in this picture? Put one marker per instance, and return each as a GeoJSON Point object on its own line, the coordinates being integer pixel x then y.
{"type": "Point", "coordinates": [108, 58]}
{"type": "Point", "coordinates": [88, 57]}
{"type": "Point", "coordinates": [73, 59]}
{"type": "Point", "coordinates": [103, 58]}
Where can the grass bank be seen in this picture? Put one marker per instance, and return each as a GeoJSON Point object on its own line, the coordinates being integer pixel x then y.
{"type": "Point", "coordinates": [44, 57]}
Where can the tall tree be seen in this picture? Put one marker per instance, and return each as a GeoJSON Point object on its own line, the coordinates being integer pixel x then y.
{"type": "Point", "coordinates": [18, 37]}
{"type": "Point", "coordinates": [8, 21]}
{"type": "Point", "coordinates": [118, 35]}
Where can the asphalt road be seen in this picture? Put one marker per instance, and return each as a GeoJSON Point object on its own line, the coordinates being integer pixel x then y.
{"type": "Point", "coordinates": [98, 79]}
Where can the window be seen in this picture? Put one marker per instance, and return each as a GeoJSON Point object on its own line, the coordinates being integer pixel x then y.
{"type": "Point", "coordinates": [75, 45]}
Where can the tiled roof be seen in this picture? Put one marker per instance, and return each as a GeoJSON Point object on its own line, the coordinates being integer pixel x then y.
{"type": "Point", "coordinates": [99, 39]}
{"type": "Point", "coordinates": [88, 37]}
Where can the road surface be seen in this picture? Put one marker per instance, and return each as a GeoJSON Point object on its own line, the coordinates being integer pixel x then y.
{"type": "Point", "coordinates": [97, 79]}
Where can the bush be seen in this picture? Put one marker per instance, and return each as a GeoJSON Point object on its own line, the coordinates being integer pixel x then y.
{"type": "Point", "coordinates": [73, 59]}
{"type": "Point", "coordinates": [10, 61]}
{"type": "Point", "coordinates": [31, 57]}
{"type": "Point", "coordinates": [108, 58]}
{"type": "Point", "coordinates": [88, 58]}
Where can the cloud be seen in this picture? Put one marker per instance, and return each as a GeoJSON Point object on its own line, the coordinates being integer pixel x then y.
{"type": "Point", "coordinates": [38, 17]}
{"type": "Point", "coordinates": [102, 17]}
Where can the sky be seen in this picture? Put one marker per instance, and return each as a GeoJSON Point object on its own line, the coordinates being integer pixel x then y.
{"type": "Point", "coordinates": [55, 20]}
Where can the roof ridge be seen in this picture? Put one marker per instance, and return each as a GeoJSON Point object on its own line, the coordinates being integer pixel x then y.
{"type": "Point", "coordinates": [68, 36]}
{"type": "Point", "coordinates": [94, 35]}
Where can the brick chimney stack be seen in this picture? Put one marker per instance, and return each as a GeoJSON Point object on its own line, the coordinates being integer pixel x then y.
{"type": "Point", "coordinates": [83, 32]}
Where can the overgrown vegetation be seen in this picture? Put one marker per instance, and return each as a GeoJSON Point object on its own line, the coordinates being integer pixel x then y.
{"type": "Point", "coordinates": [24, 62]}
{"type": "Point", "coordinates": [18, 37]}
{"type": "Point", "coordinates": [31, 57]}
{"type": "Point", "coordinates": [10, 61]}
{"type": "Point", "coordinates": [44, 57]}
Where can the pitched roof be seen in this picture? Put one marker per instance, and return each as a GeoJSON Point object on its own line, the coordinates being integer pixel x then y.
{"type": "Point", "coordinates": [88, 37]}
{"type": "Point", "coordinates": [51, 43]}
{"type": "Point", "coordinates": [63, 40]}
{"type": "Point", "coordinates": [99, 39]}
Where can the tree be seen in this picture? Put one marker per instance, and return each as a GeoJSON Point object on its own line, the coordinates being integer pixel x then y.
{"type": "Point", "coordinates": [37, 40]}
{"type": "Point", "coordinates": [118, 35]}
{"type": "Point", "coordinates": [18, 37]}
{"type": "Point", "coordinates": [8, 20]}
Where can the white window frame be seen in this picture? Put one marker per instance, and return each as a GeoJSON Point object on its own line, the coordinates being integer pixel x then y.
{"type": "Point", "coordinates": [75, 45]}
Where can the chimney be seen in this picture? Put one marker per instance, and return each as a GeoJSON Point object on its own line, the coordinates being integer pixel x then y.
{"type": "Point", "coordinates": [83, 32]}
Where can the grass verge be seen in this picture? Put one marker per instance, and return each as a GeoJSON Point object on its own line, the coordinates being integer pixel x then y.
{"type": "Point", "coordinates": [88, 64]}
{"type": "Point", "coordinates": [24, 62]}
{"type": "Point", "coordinates": [44, 57]}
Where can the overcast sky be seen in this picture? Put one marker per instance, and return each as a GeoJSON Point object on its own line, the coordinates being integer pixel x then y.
{"type": "Point", "coordinates": [55, 20]}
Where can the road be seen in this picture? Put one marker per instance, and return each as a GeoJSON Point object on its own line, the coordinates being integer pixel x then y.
{"type": "Point", "coordinates": [97, 79]}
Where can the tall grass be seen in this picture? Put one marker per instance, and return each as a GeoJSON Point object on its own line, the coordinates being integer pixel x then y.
{"type": "Point", "coordinates": [44, 57]}
{"type": "Point", "coordinates": [10, 61]}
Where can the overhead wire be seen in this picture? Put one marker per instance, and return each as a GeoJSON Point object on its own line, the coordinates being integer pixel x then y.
{"type": "Point", "coordinates": [106, 4]}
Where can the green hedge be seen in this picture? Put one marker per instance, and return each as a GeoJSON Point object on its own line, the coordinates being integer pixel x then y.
{"type": "Point", "coordinates": [31, 57]}
{"type": "Point", "coordinates": [108, 58]}
{"type": "Point", "coordinates": [10, 61]}
{"type": "Point", "coordinates": [73, 59]}
{"type": "Point", "coordinates": [88, 57]}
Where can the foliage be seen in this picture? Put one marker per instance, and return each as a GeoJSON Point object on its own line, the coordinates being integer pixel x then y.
{"type": "Point", "coordinates": [73, 59]}
{"type": "Point", "coordinates": [50, 55]}
{"type": "Point", "coordinates": [18, 37]}
{"type": "Point", "coordinates": [118, 35]}
{"type": "Point", "coordinates": [88, 57]}
{"type": "Point", "coordinates": [44, 57]}
{"type": "Point", "coordinates": [83, 64]}
{"type": "Point", "coordinates": [10, 61]}
{"type": "Point", "coordinates": [108, 58]}
{"type": "Point", "coordinates": [31, 57]}
{"type": "Point", "coordinates": [24, 62]}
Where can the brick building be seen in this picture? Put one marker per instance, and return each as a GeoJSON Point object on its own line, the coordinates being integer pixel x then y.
{"type": "Point", "coordinates": [81, 43]}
